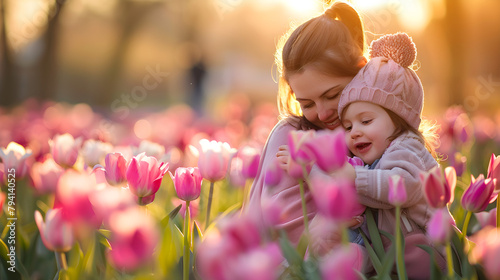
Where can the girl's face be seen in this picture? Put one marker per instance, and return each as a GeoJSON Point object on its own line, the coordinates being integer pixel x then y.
{"type": "Point", "coordinates": [318, 95]}
{"type": "Point", "coordinates": [368, 127]}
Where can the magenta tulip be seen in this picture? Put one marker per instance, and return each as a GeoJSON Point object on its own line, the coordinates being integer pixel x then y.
{"type": "Point", "coordinates": [235, 177]}
{"type": "Point", "coordinates": [296, 170]}
{"type": "Point", "coordinates": [2, 200]}
{"type": "Point", "coordinates": [479, 194]}
{"type": "Point", "coordinates": [45, 175]}
{"type": "Point", "coordinates": [487, 251]}
{"type": "Point", "coordinates": [397, 190]}
{"type": "Point", "coordinates": [487, 218]}
{"type": "Point", "coordinates": [494, 171]}
{"type": "Point", "coordinates": [213, 159]}
{"type": "Point", "coordinates": [343, 263]}
{"type": "Point", "coordinates": [355, 161]}
{"type": "Point", "coordinates": [73, 196]}
{"type": "Point", "coordinates": [459, 162]}
{"type": "Point", "coordinates": [440, 227]}
{"type": "Point", "coordinates": [437, 191]}
{"type": "Point", "coordinates": [187, 182]}
{"type": "Point", "coordinates": [250, 162]}
{"type": "Point", "coordinates": [298, 152]}
{"type": "Point", "coordinates": [144, 176]}
{"type": "Point", "coordinates": [274, 173]}
{"type": "Point", "coordinates": [133, 239]}
{"type": "Point", "coordinates": [56, 233]}
{"type": "Point", "coordinates": [116, 169]}
{"type": "Point", "coordinates": [336, 199]}
{"type": "Point", "coordinates": [64, 149]}
{"type": "Point", "coordinates": [262, 263]}
{"type": "Point", "coordinates": [328, 149]}
{"type": "Point", "coordinates": [14, 159]}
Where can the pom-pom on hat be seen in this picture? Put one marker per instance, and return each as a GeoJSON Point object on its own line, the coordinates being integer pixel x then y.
{"type": "Point", "coordinates": [387, 81]}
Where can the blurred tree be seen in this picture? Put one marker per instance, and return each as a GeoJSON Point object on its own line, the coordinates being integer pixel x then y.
{"type": "Point", "coordinates": [8, 68]}
{"type": "Point", "coordinates": [454, 34]}
{"type": "Point", "coordinates": [132, 13]}
{"type": "Point", "coordinates": [47, 66]}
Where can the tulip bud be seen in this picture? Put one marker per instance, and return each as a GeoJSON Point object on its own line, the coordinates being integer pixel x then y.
{"type": "Point", "coordinates": [214, 159]}
{"type": "Point", "coordinates": [274, 173]}
{"type": "Point", "coordinates": [14, 158]}
{"type": "Point", "coordinates": [56, 233]}
{"type": "Point", "coordinates": [250, 162]}
{"type": "Point", "coordinates": [397, 190]}
{"type": "Point", "coordinates": [296, 141]}
{"type": "Point", "coordinates": [116, 169]}
{"type": "Point", "coordinates": [479, 194]}
{"type": "Point", "coordinates": [328, 149]}
{"type": "Point", "coordinates": [494, 171]}
{"type": "Point", "coordinates": [437, 191]}
{"type": "Point", "coordinates": [187, 182]}
{"type": "Point", "coordinates": [64, 149]}
{"type": "Point", "coordinates": [144, 176]}
{"type": "Point", "coordinates": [45, 175]}
{"type": "Point", "coordinates": [440, 227]}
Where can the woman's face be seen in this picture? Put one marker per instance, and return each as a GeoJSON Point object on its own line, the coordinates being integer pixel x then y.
{"type": "Point", "coordinates": [318, 95]}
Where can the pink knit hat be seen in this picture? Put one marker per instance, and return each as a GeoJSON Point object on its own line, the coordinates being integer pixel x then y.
{"type": "Point", "coordinates": [387, 81]}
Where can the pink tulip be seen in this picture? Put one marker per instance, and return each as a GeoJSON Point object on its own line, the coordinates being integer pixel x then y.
{"type": "Point", "coordinates": [214, 159]}
{"type": "Point", "coordinates": [2, 200]}
{"type": "Point", "coordinates": [116, 169]}
{"type": "Point", "coordinates": [355, 161]}
{"type": "Point", "coordinates": [343, 262]}
{"type": "Point", "coordinates": [296, 170]}
{"type": "Point", "coordinates": [274, 173]}
{"type": "Point", "coordinates": [133, 239]}
{"type": "Point", "coordinates": [487, 218]}
{"type": "Point", "coordinates": [187, 182]}
{"type": "Point", "coordinates": [14, 159]}
{"type": "Point", "coordinates": [487, 251]}
{"type": "Point", "coordinates": [328, 149]}
{"type": "Point", "coordinates": [109, 200]}
{"type": "Point", "coordinates": [45, 175]}
{"type": "Point", "coordinates": [438, 192]}
{"type": "Point", "coordinates": [235, 177]}
{"type": "Point", "coordinates": [459, 162]}
{"type": "Point", "coordinates": [56, 233]}
{"type": "Point", "coordinates": [450, 176]}
{"type": "Point", "coordinates": [64, 149]}
{"type": "Point", "coordinates": [73, 196]}
{"type": "Point", "coordinates": [494, 171]}
{"type": "Point", "coordinates": [335, 199]}
{"type": "Point", "coordinates": [250, 161]}
{"type": "Point", "coordinates": [440, 228]}
{"type": "Point", "coordinates": [397, 190]}
{"type": "Point", "coordinates": [262, 263]}
{"type": "Point", "coordinates": [298, 151]}
{"type": "Point", "coordinates": [144, 176]}
{"type": "Point", "coordinates": [479, 194]}
{"type": "Point", "coordinates": [93, 151]}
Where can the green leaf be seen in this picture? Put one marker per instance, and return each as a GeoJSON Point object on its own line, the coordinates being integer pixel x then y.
{"type": "Point", "coordinates": [388, 262]}
{"type": "Point", "coordinates": [290, 254]}
{"type": "Point", "coordinates": [171, 248]}
{"type": "Point", "coordinates": [4, 250]}
{"type": "Point", "coordinates": [171, 216]}
{"type": "Point", "coordinates": [374, 233]}
{"type": "Point", "coordinates": [377, 265]}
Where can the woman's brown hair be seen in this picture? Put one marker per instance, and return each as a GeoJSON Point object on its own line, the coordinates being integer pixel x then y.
{"type": "Point", "coordinates": [334, 43]}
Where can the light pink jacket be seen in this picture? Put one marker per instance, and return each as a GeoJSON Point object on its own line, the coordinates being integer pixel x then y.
{"type": "Point", "coordinates": [286, 194]}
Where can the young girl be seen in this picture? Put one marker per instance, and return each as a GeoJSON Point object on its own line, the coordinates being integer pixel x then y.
{"type": "Point", "coordinates": [380, 111]}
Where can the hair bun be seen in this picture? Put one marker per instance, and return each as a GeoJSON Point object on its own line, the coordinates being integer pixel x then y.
{"type": "Point", "coordinates": [398, 47]}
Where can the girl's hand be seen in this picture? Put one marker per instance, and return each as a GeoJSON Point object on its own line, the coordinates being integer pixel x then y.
{"type": "Point", "coordinates": [283, 156]}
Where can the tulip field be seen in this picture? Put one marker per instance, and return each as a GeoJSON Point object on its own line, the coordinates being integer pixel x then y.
{"type": "Point", "coordinates": [162, 195]}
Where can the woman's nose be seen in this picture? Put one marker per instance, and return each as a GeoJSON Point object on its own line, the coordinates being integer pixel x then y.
{"type": "Point", "coordinates": [325, 113]}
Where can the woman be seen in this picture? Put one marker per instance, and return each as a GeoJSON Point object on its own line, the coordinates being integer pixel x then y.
{"type": "Point", "coordinates": [315, 62]}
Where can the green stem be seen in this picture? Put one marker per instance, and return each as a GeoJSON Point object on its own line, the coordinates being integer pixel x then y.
{"type": "Point", "coordinates": [209, 206]}
{"type": "Point", "coordinates": [449, 260]}
{"type": "Point", "coordinates": [187, 244]}
{"type": "Point", "coordinates": [498, 213]}
{"type": "Point", "coordinates": [466, 224]}
{"type": "Point", "coordinates": [399, 246]}
{"type": "Point", "coordinates": [304, 209]}
{"type": "Point", "coordinates": [345, 235]}
{"type": "Point", "coordinates": [61, 261]}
